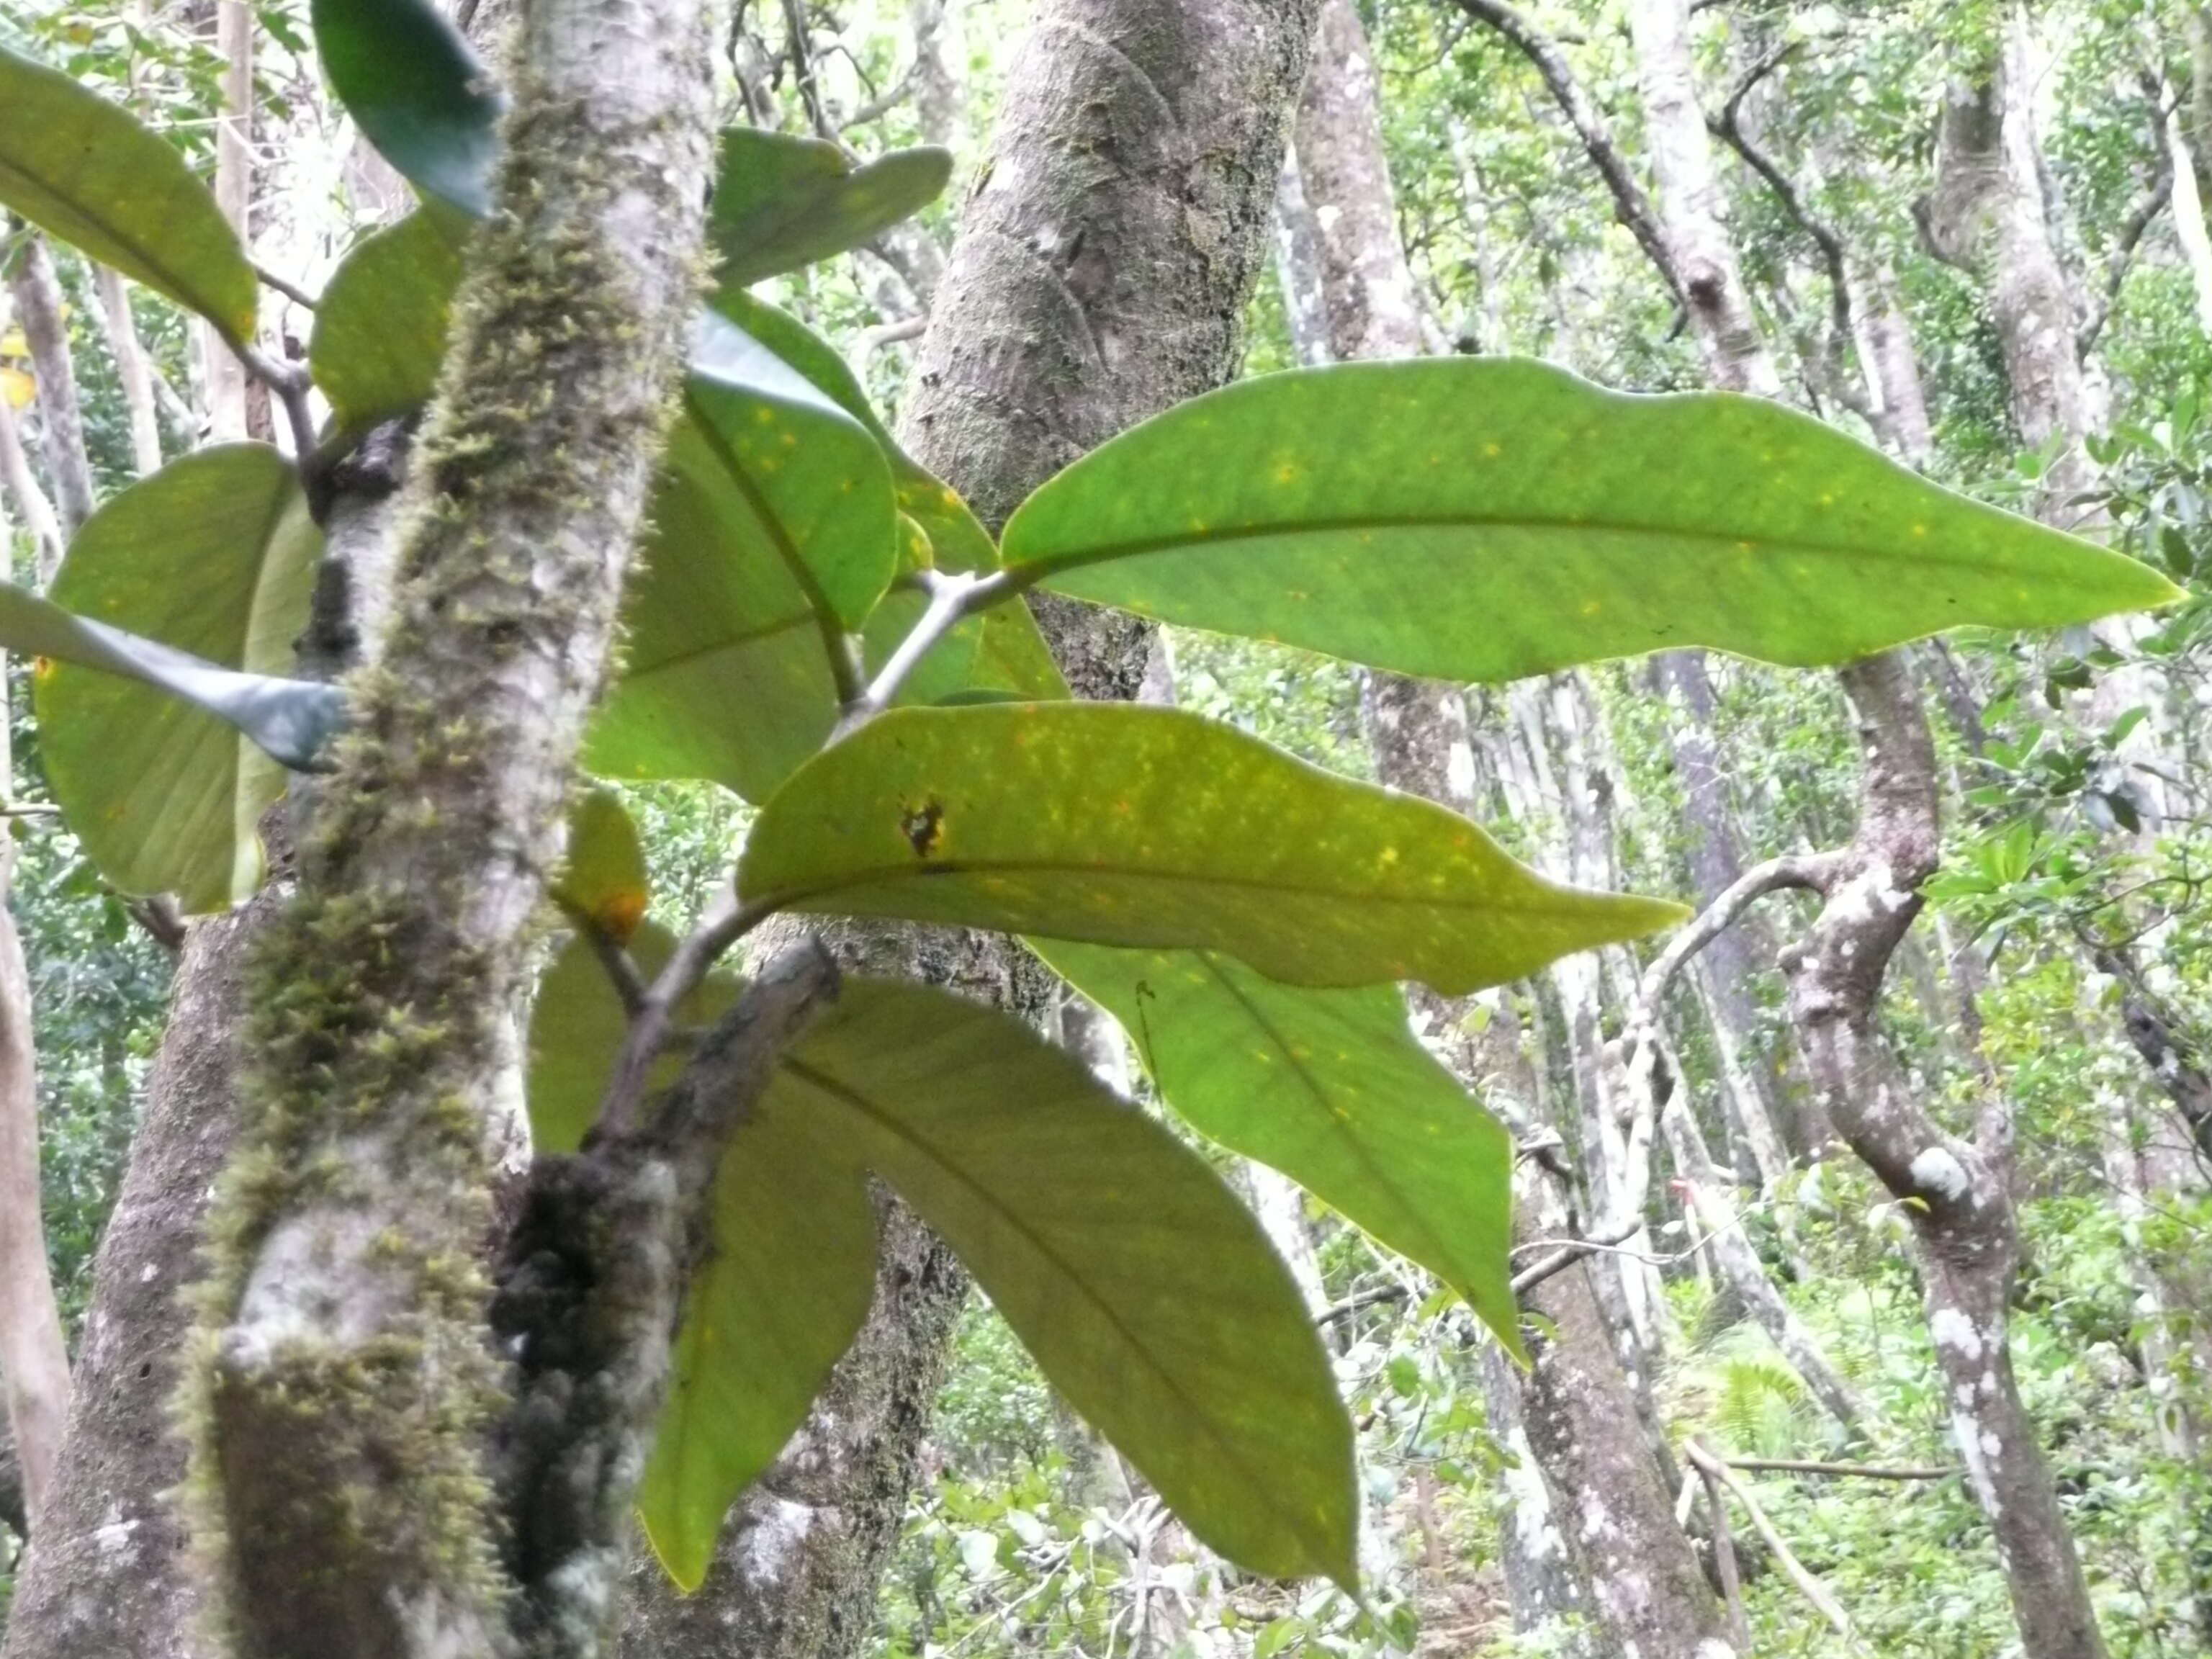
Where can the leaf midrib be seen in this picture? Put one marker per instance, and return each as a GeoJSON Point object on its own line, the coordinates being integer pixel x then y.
{"type": "Point", "coordinates": [937, 868]}
{"type": "Point", "coordinates": [1033, 571]}
{"type": "Point", "coordinates": [901, 1132]}
{"type": "Point", "coordinates": [1320, 1098]}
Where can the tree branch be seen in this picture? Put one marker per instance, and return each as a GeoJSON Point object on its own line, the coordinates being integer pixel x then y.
{"type": "Point", "coordinates": [2149, 201]}
{"type": "Point", "coordinates": [1862, 1471]}
{"type": "Point", "coordinates": [591, 1292]}
{"type": "Point", "coordinates": [1632, 206]}
{"type": "Point", "coordinates": [1807, 1585]}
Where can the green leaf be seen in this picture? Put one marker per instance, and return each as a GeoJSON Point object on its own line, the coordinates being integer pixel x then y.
{"type": "Point", "coordinates": [87, 171]}
{"type": "Point", "coordinates": [727, 673]}
{"type": "Point", "coordinates": [1331, 1088]}
{"type": "Point", "coordinates": [214, 556]}
{"type": "Point", "coordinates": [775, 1305]}
{"type": "Point", "coordinates": [417, 91]}
{"type": "Point", "coordinates": [1143, 1289]}
{"type": "Point", "coordinates": [602, 879]}
{"type": "Point", "coordinates": [782, 201]}
{"type": "Point", "coordinates": [1123, 825]}
{"type": "Point", "coordinates": [380, 330]}
{"type": "Point", "coordinates": [999, 651]}
{"type": "Point", "coordinates": [802, 475]}
{"type": "Point", "coordinates": [1483, 520]}
{"type": "Point", "coordinates": [783, 1290]}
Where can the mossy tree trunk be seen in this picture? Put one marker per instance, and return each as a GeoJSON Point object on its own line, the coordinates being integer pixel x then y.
{"type": "Point", "coordinates": [342, 1385]}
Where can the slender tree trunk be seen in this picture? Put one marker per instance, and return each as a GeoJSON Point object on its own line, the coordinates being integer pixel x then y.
{"type": "Point", "coordinates": [34, 1359]}
{"type": "Point", "coordinates": [36, 289]}
{"type": "Point", "coordinates": [39, 519]}
{"type": "Point", "coordinates": [1101, 276]}
{"type": "Point", "coordinates": [1960, 1202]}
{"type": "Point", "coordinates": [131, 368]}
{"type": "Point", "coordinates": [1989, 196]}
{"type": "Point", "coordinates": [1690, 205]}
{"type": "Point", "coordinates": [234, 194]}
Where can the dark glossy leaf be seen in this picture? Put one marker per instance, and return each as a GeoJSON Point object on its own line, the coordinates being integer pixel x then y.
{"type": "Point", "coordinates": [1121, 825]}
{"type": "Point", "coordinates": [417, 91]}
{"type": "Point", "coordinates": [1141, 1287]}
{"type": "Point", "coordinates": [782, 202]}
{"type": "Point", "coordinates": [214, 556]}
{"type": "Point", "coordinates": [1482, 520]}
{"type": "Point", "coordinates": [87, 171]}
{"type": "Point", "coordinates": [1329, 1087]}
{"type": "Point", "coordinates": [380, 328]}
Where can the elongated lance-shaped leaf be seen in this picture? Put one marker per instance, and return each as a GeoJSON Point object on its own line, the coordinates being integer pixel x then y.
{"type": "Point", "coordinates": [417, 91]}
{"type": "Point", "coordinates": [1329, 1087]}
{"type": "Point", "coordinates": [1483, 520]}
{"type": "Point", "coordinates": [1138, 1283]}
{"type": "Point", "coordinates": [782, 201]}
{"type": "Point", "coordinates": [87, 171]}
{"type": "Point", "coordinates": [214, 554]}
{"type": "Point", "coordinates": [1123, 825]}
{"type": "Point", "coordinates": [1143, 1289]}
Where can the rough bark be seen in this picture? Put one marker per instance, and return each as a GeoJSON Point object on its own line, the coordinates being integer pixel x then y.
{"type": "Point", "coordinates": [343, 1384]}
{"type": "Point", "coordinates": [1960, 1190]}
{"type": "Point", "coordinates": [1691, 206]}
{"type": "Point", "coordinates": [1988, 201]}
{"type": "Point", "coordinates": [36, 289]}
{"type": "Point", "coordinates": [1105, 257]}
{"type": "Point", "coordinates": [110, 1577]}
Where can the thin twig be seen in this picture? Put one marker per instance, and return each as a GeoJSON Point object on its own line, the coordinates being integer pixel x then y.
{"type": "Point", "coordinates": [1631, 205]}
{"type": "Point", "coordinates": [952, 599]}
{"type": "Point", "coordinates": [1807, 1585]}
{"type": "Point", "coordinates": [2150, 201]}
{"type": "Point", "coordinates": [1724, 1557]}
{"type": "Point", "coordinates": [292, 291]}
{"type": "Point", "coordinates": [1865, 1471]}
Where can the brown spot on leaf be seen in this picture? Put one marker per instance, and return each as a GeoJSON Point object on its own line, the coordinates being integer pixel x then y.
{"type": "Point", "coordinates": [923, 826]}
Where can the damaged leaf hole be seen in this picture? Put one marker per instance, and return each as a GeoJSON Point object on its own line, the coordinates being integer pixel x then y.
{"type": "Point", "coordinates": [923, 826]}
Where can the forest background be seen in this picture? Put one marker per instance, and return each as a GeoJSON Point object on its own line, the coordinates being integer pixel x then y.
{"type": "Point", "coordinates": [1973, 233]}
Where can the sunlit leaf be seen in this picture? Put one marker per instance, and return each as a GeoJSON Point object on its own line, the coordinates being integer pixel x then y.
{"type": "Point", "coordinates": [1123, 825]}
{"type": "Point", "coordinates": [1331, 1088]}
{"type": "Point", "coordinates": [214, 556]}
{"type": "Point", "coordinates": [380, 328]}
{"type": "Point", "coordinates": [782, 201]}
{"type": "Point", "coordinates": [1486, 519]}
{"type": "Point", "coordinates": [1143, 1289]}
{"type": "Point", "coordinates": [86, 170]}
